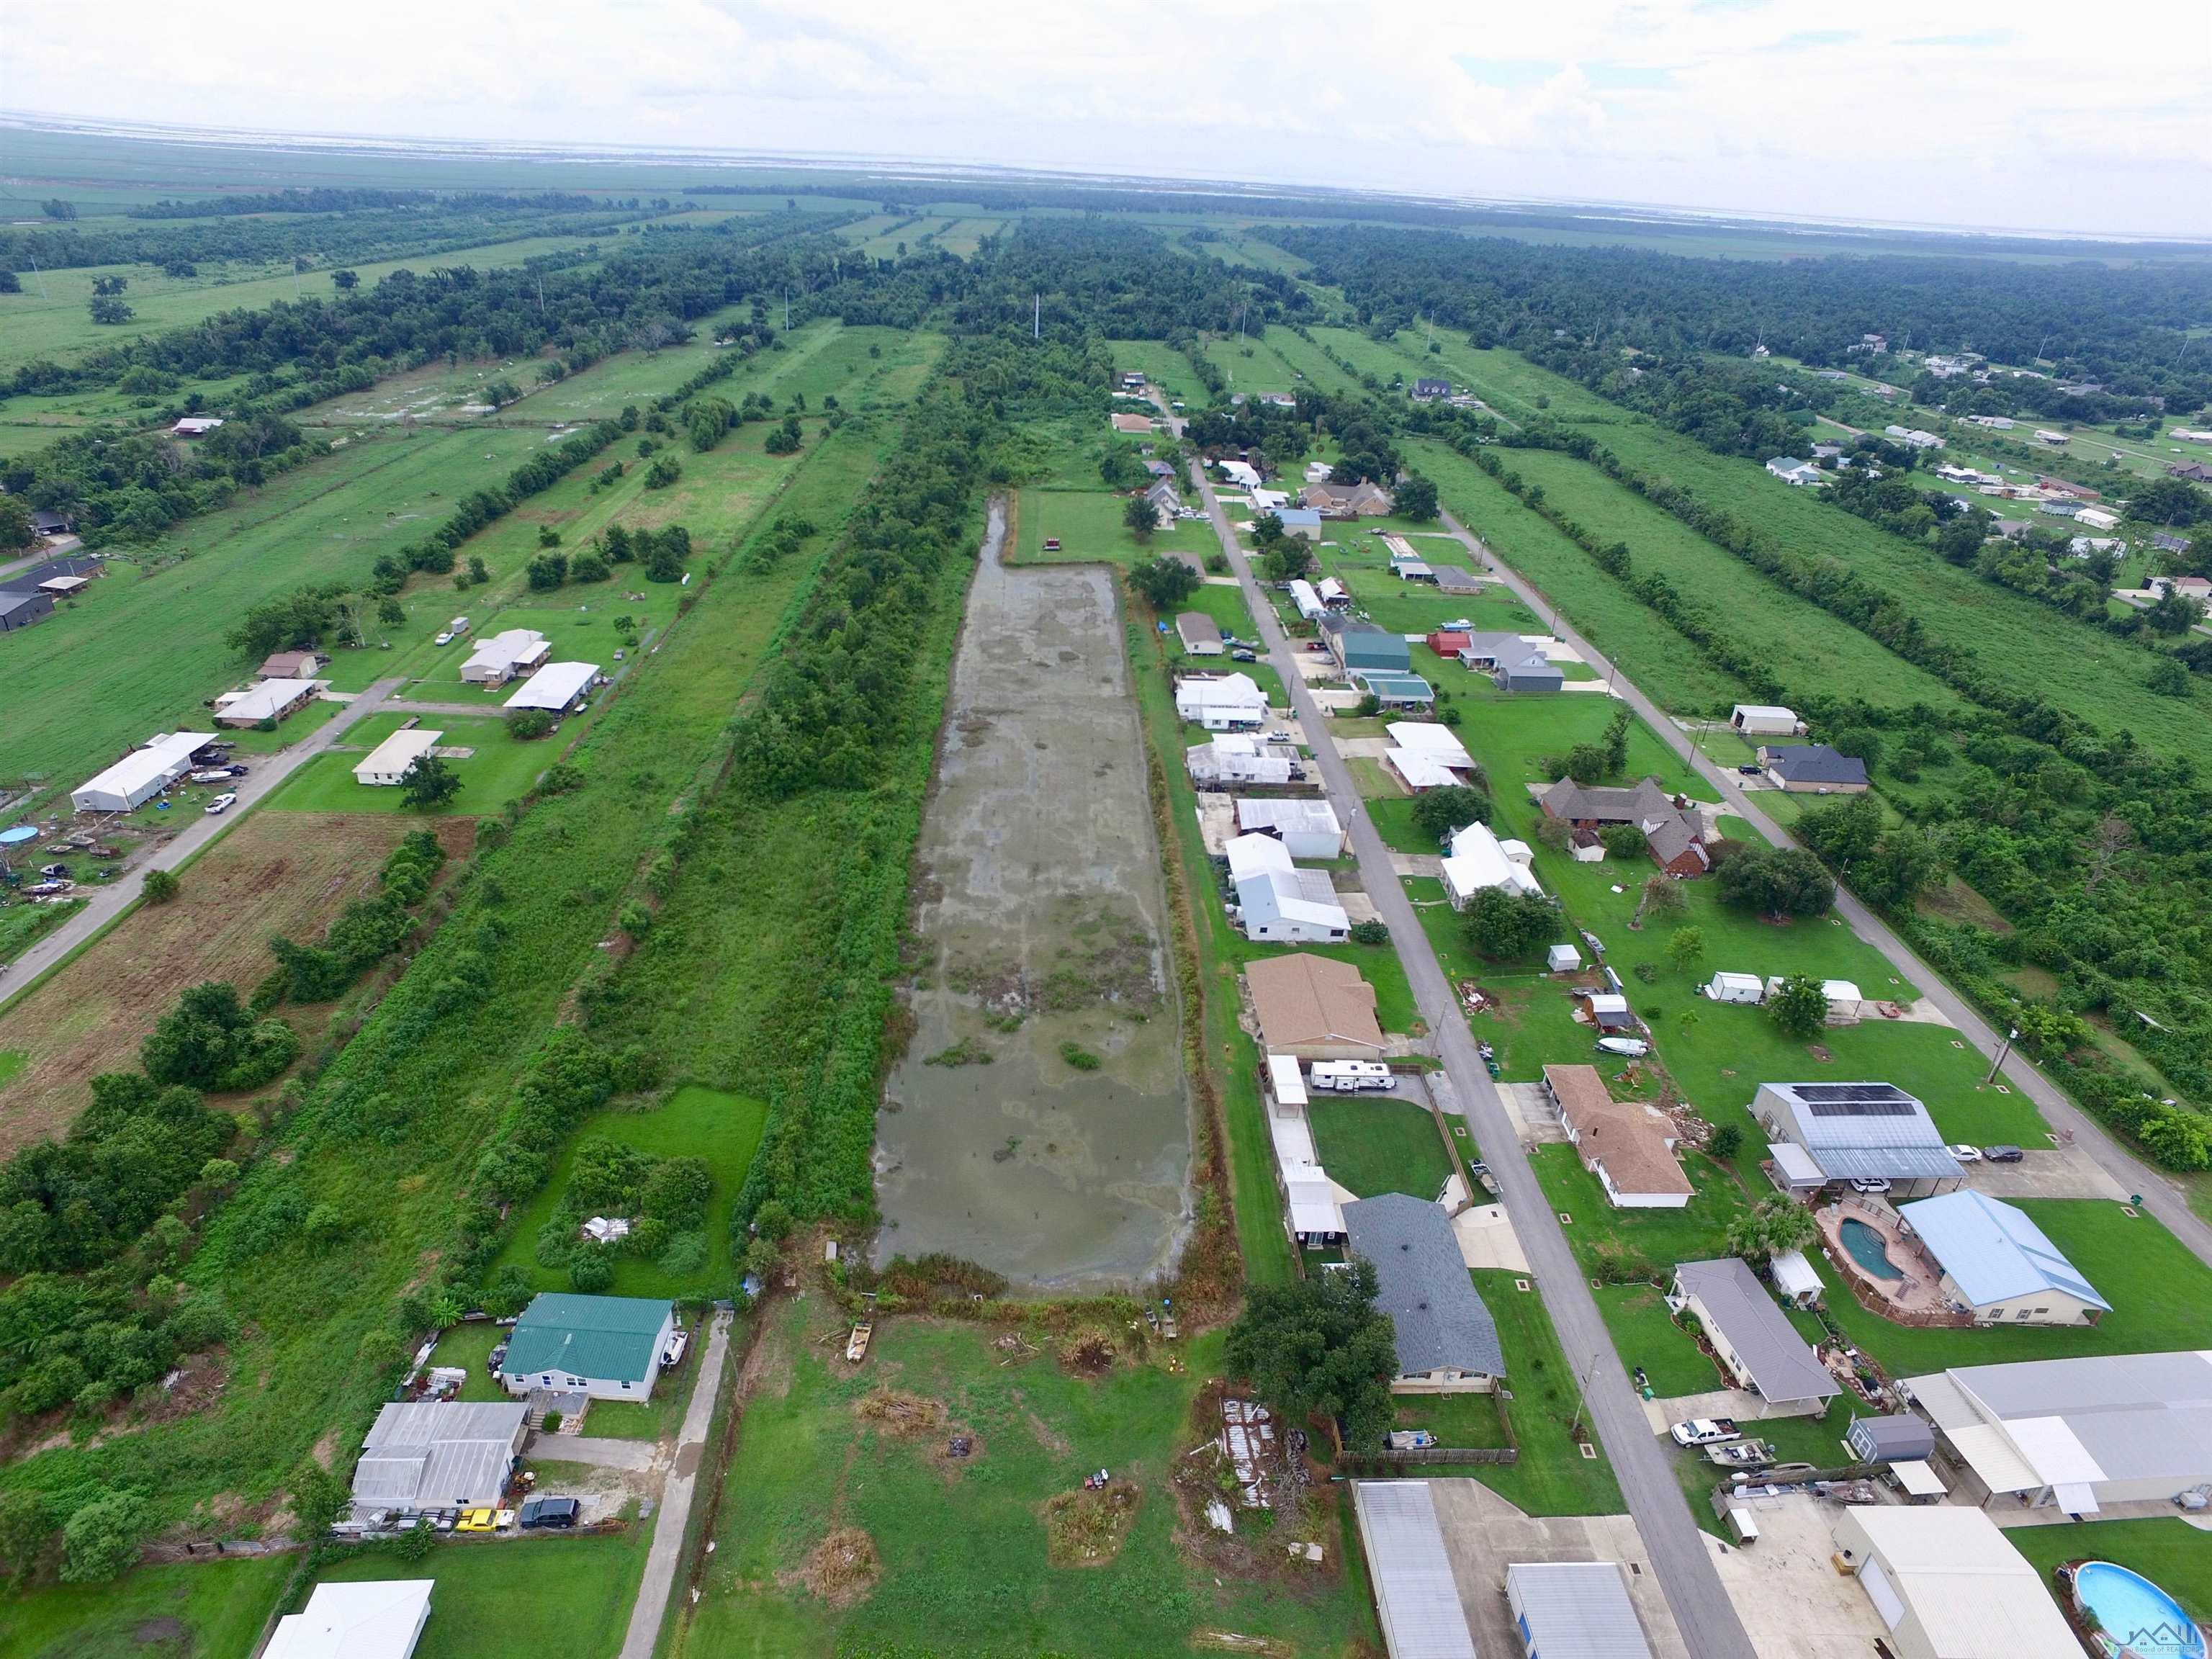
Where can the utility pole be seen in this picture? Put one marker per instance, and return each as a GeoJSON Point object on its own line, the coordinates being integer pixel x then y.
{"type": "Point", "coordinates": [1036, 316]}
{"type": "Point", "coordinates": [1581, 1395]}
{"type": "Point", "coordinates": [2012, 1035]}
{"type": "Point", "coordinates": [41, 275]}
{"type": "Point", "coordinates": [787, 308]}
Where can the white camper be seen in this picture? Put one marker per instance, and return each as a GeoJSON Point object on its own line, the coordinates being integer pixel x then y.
{"type": "Point", "coordinates": [1348, 1077]}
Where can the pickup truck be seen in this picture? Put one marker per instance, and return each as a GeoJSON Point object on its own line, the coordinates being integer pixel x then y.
{"type": "Point", "coordinates": [1705, 1431]}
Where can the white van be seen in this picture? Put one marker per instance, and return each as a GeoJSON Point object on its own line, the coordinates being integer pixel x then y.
{"type": "Point", "coordinates": [1346, 1077]}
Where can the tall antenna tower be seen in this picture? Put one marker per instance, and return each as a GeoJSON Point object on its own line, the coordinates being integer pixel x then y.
{"type": "Point", "coordinates": [1036, 316]}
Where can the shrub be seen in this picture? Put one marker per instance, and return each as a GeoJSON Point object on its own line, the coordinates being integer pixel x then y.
{"type": "Point", "coordinates": [1078, 1057]}
{"type": "Point", "coordinates": [100, 1541]}
{"type": "Point", "coordinates": [161, 886]}
{"type": "Point", "coordinates": [1372, 931]}
{"type": "Point", "coordinates": [526, 725]}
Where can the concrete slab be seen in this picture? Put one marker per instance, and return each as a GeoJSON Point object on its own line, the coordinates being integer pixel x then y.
{"type": "Point", "coordinates": [1217, 822]}
{"type": "Point", "coordinates": [1358, 907]}
{"type": "Point", "coordinates": [1663, 1414]}
{"type": "Point", "coordinates": [1484, 1534]}
{"type": "Point", "coordinates": [1785, 1588]}
{"type": "Point", "coordinates": [1431, 864]}
{"type": "Point", "coordinates": [1539, 1124]}
{"type": "Point", "coordinates": [1486, 1239]}
{"type": "Point", "coordinates": [2057, 1172]}
{"type": "Point", "coordinates": [1364, 748]}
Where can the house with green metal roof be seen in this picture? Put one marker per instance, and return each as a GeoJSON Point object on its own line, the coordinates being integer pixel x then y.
{"type": "Point", "coordinates": [1361, 644]}
{"type": "Point", "coordinates": [607, 1348]}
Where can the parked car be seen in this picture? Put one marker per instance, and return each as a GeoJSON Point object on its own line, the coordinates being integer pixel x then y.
{"type": "Point", "coordinates": [491, 1361]}
{"type": "Point", "coordinates": [221, 804]}
{"type": "Point", "coordinates": [1281, 735]}
{"type": "Point", "coordinates": [1748, 771]}
{"type": "Point", "coordinates": [1317, 645]}
{"type": "Point", "coordinates": [1705, 1431]}
{"type": "Point", "coordinates": [1868, 1184]}
{"type": "Point", "coordinates": [538, 1512]}
{"type": "Point", "coordinates": [445, 636]}
{"type": "Point", "coordinates": [1964, 1154]}
{"type": "Point", "coordinates": [483, 1520]}
{"type": "Point", "coordinates": [2003, 1154]}
{"type": "Point", "coordinates": [1240, 654]}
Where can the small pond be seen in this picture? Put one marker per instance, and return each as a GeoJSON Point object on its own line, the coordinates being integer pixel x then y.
{"type": "Point", "coordinates": [1867, 1248]}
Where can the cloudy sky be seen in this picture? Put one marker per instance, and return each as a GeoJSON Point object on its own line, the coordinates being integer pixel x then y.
{"type": "Point", "coordinates": [2017, 113]}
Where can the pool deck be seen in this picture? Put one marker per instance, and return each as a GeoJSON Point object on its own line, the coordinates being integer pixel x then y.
{"type": "Point", "coordinates": [1916, 1297]}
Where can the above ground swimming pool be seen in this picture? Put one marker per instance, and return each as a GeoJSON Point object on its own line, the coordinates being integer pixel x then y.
{"type": "Point", "coordinates": [1867, 1248]}
{"type": "Point", "coordinates": [2135, 1616]}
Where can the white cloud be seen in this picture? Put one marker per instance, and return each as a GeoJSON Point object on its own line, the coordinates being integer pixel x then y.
{"type": "Point", "coordinates": [2002, 112]}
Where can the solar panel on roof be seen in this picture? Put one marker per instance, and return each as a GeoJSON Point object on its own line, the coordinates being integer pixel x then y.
{"type": "Point", "coordinates": [1810, 1092]}
{"type": "Point", "coordinates": [1860, 1107]}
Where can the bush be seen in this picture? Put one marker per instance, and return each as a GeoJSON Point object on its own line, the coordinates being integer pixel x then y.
{"type": "Point", "coordinates": [527, 725]}
{"type": "Point", "coordinates": [1727, 1141]}
{"type": "Point", "coordinates": [161, 886]}
{"type": "Point", "coordinates": [1078, 1057]}
{"type": "Point", "coordinates": [1372, 931]}
{"type": "Point", "coordinates": [100, 1542]}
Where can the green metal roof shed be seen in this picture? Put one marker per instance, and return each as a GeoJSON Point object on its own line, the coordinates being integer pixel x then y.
{"type": "Point", "coordinates": [605, 1339]}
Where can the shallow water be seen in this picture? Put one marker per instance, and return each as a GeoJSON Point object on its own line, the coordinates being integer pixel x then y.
{"type": "Point", "coordinates": [1041, 910]}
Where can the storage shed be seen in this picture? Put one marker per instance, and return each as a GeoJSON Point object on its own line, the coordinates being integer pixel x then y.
{"type": "Point", "coordinates": [556, 688]}
{"type": "Point", "coordinates": [1199, 634]}
{"type": "Point", "coordinates": [141, 775]}
{"type": "Point", "coordinates": [1574, 1610]}
{"type": "Point", "coordinates": [387, 764]}
{"type": "Point", "coordinates": [1736, 987]}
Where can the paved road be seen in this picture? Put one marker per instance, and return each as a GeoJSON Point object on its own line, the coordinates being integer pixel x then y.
{"type": "Point", "coordinates": [108, 903]}
{"type": "Point", "coordinates": [676, 1495]}
{"type": "Point", "coordinates": [2162, 1195]}
{"type": "Point", "coordinates": [1676, 1548]}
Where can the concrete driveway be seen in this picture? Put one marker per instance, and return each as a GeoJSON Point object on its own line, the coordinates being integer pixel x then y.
{"type": "Point", "coordinates": [2062, 1172]}
{"type": "Point", "coordinates": [1786, 1589]}
{"type": "Point", "coordinates": [598, 1452]}
{"type": "Point", "coordinates": [1484, 1534]}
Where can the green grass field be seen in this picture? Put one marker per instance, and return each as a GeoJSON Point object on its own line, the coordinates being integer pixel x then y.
{"type": "Point", "coordinates": [499, 771]}
{"type": "Point", "coordinates": [2172, 1556]}
{"type": "Point", "coordinates": [695, 1121]}
{"type": "Point", "coordinates": [570, 1595]}
{"type": "Point", "coordinates": [49, 318]}
{"type": "Point", "coordinates": [1379, 1145]}
{"type": "Point", "coordinates": [961, 1545]}
{"type": "Point", "coordinates": [1552, 1476]}
{"type": "Point", "coordinates": [192, 1610]}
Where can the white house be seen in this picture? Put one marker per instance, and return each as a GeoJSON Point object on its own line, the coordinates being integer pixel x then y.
{"type": "Point", "coordinates": [1307, 828]}
{"type": "Point", "coordinates": [1278, 901]}
{"type": "Point", "coordinates": [1238, 473]}
{"type": "Point", "coordinates": [1308, 602]}
{"type": "Point", "coordinates": [270, 700]}
{"type": "Point", "coordinates": [141, 775]}
{"type": "Point", "coordinates": [556, 688]}
{"type": "Point", "coordinates": [195, 426]}
{"type": "Point", "coordinates": [1236, 758]}
{"type": "Point", "coordinates": [1794, 471]}
{"type": "Point", "coordinates": [387, 764]}
{"type": "Point", "coordinates": [382, 1618]}
{"type": "Point", "coordinates": [1223, 703]}
{"type": "Point", "coordinates": [1477, 859]}
{"type": "Point", "coordinates": [500, 657]}
{"type": "Point", "coordinates": [1913, 437]}
{"type": "Point", "coordinates": [2097, 518]}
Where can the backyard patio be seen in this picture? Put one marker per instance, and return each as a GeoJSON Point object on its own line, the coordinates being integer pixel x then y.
{"type": "Point", "coordinates": [1884, 1263]}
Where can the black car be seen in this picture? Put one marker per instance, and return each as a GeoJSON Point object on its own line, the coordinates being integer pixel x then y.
{"type": "Point", "coordinates": [2003, 1154]}
{"type": "Point", "coordinates": [538, 1512]}
{"type": "Point", "coordinates": [1748, 771]}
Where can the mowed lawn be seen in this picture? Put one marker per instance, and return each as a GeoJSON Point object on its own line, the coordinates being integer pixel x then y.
{"type": "Point", "coordinates": [567, 1596]}
{"type": "Point", "coordinates": [962, 1546]}
{"type": "Point", "coordinates": [138, 655]}
{"type": "Point", "coordinates": [694, 1121]}
{"type": "Point", "coordinates": [1552, 1476]}
{"type": "Point", "coordinates": [2176, 1558]}
{"type": "Point", "coordinates": [1088, 524]}
{"type": "Point", "coordinates": [1379, 1143]}
{"type": "Point", "coordinates": [500, 770]}
{"type": "Point", "coordinates": [290, 874]}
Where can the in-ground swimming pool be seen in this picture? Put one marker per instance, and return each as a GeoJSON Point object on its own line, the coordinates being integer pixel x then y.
{"type": "Point", "coordinates": [2135, 1616]}
{"type": "Point", "coordinates": [1868, 1249]}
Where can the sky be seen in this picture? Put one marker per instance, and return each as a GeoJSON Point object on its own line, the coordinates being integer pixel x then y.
{"type": "Point", "coordinates": [2026, 114]}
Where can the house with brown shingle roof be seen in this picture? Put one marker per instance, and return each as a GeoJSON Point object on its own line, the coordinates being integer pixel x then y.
{"type": "Point", "coordinates": [1337, 501]}
{"type": "Point", "coordinates": [1314, 1007]}
{"type": "Point", "coordinates": [1627, 1145]}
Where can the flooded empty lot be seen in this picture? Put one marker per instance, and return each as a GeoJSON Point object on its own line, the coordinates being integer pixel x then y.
{"type": "Point", "coordinates": [1039, 1123]}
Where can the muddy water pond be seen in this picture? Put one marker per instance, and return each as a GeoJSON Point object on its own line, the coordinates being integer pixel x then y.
{"type": "Point", "coordinates": [1039, 1123]}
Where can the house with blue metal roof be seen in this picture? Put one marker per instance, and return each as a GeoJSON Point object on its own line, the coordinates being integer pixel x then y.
{"type": "Point", "coordinates": [1999, 1265]}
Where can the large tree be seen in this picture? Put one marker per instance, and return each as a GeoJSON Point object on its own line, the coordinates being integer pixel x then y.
{"type": "Point", "coordinates": [429, 783]}
{"type": "Point", "coordinates": [1438, 812]}
{"type": "Point", "coordinates": [1415, 498]}
{"type": "Point", "coordinates": [1798, 1007]}
{"type": "Point", "coordinates": [1319, 1345]}
{"type": "Point", "coordinates": [1772, 1226]}
{"type": "Point", "coordinates": [1503, 926]}
{"type": "Point", "coordinates": [1777, 881]}
{"type": "Point", "coordinates": [1163, 581]}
